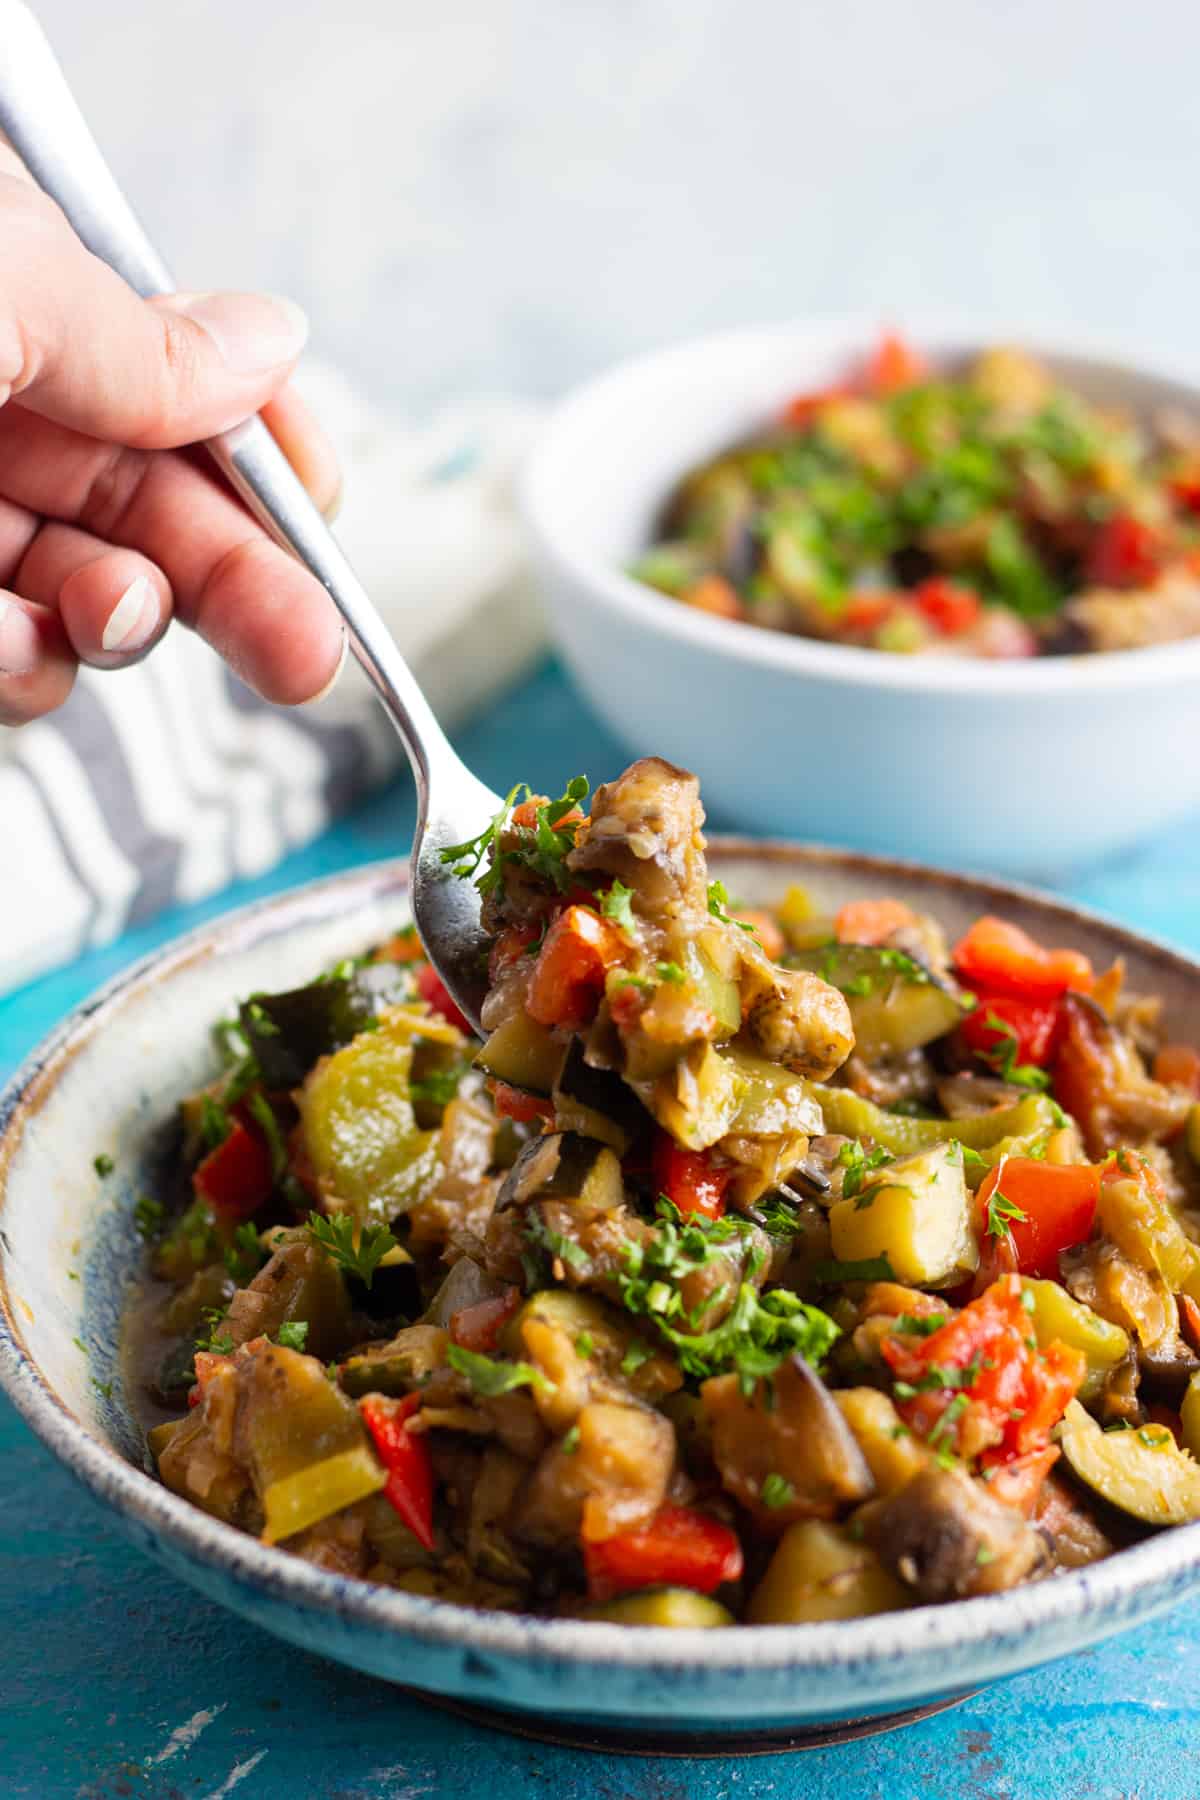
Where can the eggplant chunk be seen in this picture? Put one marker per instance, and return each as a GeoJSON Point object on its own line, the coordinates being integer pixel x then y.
{"type": "Point", "coordinates": [819, 1572]}
{"type": "Point", "coordinates": [299, 1282]}
{"type": "Point", "coordinates": [289, 1032]}
{"type": "Point", "coordinates": [1141, 1472]}
{"type": "Point", "coordinates": [564, 1166]}
{"type": "Point", "coordinates": [945, 1536]}
{"type": "Point", "coordinates": [792, 1016]}
{"type": "Point", "coordinates": [791, 1429]}
{"type": "Point", "coordinates": [646, 830]}
{"type": "Point", "coordinates": [615, 1477]}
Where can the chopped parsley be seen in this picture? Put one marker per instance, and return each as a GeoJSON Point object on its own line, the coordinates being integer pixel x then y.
{"type": "Point", "coordinates": [541, 848]}
{"type": "Point", "coordinates": [1001, 1213]}
{"type": "Point", "coordinates": [949, 1419]}
{"type": "Point", "coordinates": [103, 1164]}
{"type": "Point", "coordinates": [585, 1344]}
{"type": "Point", "coordinates": [542, 1237]}
{"type": "Point", "coordinates": [570, 1442]}
{"type": "Point", "coordinates": [244, 1257]}
{"type": "Point", "coordinates": [776, 1491]}
{"type": "Point", "coordinates": [264, 1024]}
{"type": "Point", "coordinates": [857, 1164]}
{"type": "Point", "coordinates": [357, 1252]}
{"type": "Point", "coordinates": [1003, 1057]}
{"type": "Point", "coordinates": [489, 1376]}
{"type": "Point", "coordinates": [639, 1352]}
{"type": "Point", "coordinates": [911, 1326]}
{"type": "Point", "coordinates": [670, 972]}
{"type": "Point", "coordinates": [261, 1111]}
{"type": "Point", "coordinates": [148, 1216]}
{"type": "Point", "coordinates": [440, 1086]}
{"type": "Point", "coordinates": [718, 906]}
{"type": "Point", "coordinates": [216, 1344]}
{"type": "Point", "coordinates": [616, 903]}
{"type": "Point", "coordinates": [292, 1334]}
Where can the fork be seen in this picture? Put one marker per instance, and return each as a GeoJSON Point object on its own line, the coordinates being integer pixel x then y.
{"type": "Point", "coordinates": [45, 126]}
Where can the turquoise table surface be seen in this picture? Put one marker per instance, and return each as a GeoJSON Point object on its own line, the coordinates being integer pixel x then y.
{"type": "Point", "coordinates": [116, 1681]}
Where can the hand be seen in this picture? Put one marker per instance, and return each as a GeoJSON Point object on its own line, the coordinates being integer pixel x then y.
{"type": "Point", "coordinates": [106, 526]}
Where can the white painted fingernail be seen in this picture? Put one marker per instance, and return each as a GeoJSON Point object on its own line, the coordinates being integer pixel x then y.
{"type": "Point", "coordinates": [253, 332]}
{"type": "Point", "coordinates": [336, 676]}
{"type": "Point", "coordinates": [134, 619]}
{"type": "Point", "coordinates": [19, 640]}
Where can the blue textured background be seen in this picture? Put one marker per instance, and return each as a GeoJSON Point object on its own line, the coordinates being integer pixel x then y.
{"type": "Point", "coordinates": [116, 1681]}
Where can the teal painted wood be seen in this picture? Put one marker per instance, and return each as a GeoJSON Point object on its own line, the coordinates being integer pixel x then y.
{"type": "Point", "coordinates": [116, 1681]}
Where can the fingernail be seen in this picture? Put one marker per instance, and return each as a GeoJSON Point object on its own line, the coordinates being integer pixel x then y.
{"type": "Point", "coordinates": [133, 620]}
{"type": "Point", "coordinates": [253, 332]}
{"type": "Point", "coordinates": [20, 642]}
{"type": "Point", "coordinates": [336, 676]}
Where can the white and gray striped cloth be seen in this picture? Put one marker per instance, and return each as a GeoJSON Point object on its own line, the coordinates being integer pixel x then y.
{"type": "Point", "coordinates": [167, 781]}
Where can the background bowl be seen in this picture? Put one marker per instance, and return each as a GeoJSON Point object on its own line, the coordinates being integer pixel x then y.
{"type": "Point", "coordinates": [1024, 767]}
{"type": "Point", "coordinates": [108, 1082]}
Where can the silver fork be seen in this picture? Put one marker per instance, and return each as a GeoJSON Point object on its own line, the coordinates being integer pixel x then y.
{"type": "Point", "coordinates": [43, 122]}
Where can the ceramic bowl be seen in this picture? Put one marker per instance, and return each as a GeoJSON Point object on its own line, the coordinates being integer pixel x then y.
{"type": "Point", "coordinates": [108, 1081]}
{"type": "Point", "coordinates": [1023, 767]}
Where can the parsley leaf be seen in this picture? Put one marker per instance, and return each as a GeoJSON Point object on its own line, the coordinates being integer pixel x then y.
{"type": "Point", "coordinates": [718, 906]}
{"type": "Point", "coordinates": [776, 1491]}
{"type": "Point", "coordinates": [292, 1334]}
{"type": "Point", "coordinates": [263, 1114]}
{"type": "Point", "coordinates": [465, 859]}
{"type": "Point", "coordinates": [440, 1086]}
{"type": "Point", "coordinates": [489, 1376]}
{"type": "Point", "coordinates": [858, 1164]}
{"type": "Point", "coordinates": [1001, 1213]}
{"type": "Point", "coordinates": [148, 1216]}
{"type": "Point", "coordinates": [103, 1165]}
{"type": "Point", "coordinates": [542, 848]}
{"type": "Point", "coordinates": [616, 903]}
{"type": "Point", "coordinates": [244, 1257]}
{"type": "Point", "coordinates": [1003, 1057]}
{"type": "Point", "coordinates": [357, 1252]}
{"type": "Point", "coordinates": [670, 971]}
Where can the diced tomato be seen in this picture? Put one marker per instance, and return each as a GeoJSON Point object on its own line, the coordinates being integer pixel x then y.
{"type": "Point", "coordinates": [988, 1353]}
{"type": "Point", "coordinates": [1005, 959]}
{"type": "Point", "coordinates": [237, 1177]}
{"type": "Point", "coordinates": [1019, 1483]}
{"type": "Point", "coordinates": [206, 1364]}
{"type": "Point", "coordinates": [478, 1327]}
{"type": "Point", "coordinates": [866, 610]}
{"type": "Point", "coordinates": [526, 815]}
{"type": "Point", "coordinates": [1125, 553]}
{"type": "Point", "coordinates": [678, 1548]}
{"type": "Point", "coordinates": [1186, 489]}
{"type": "Point", "coordinates": [764, 928]}
{"type": "Point", "coordinates": [803, 408]}
{"type": "Point", "coordinates": [689, 1178]}
{"type": "Point", "coordinates": [436, 994]}
{"type": "Point", "coordinates": [894, 365]}
{"type": "Point", "coordinates": [406, 1458]}
{"type": "Point", "coordinates": [512, 944]}
{"type": "Point", "coordinates": [514, 1103]}
{"type": "Point", "coordinates": [948, 605]}
{"type": "Point", "coordinates": [714, 594]}
{"type": "Point", "coordinates": [568, 976]}
{"type": "Point", "coordinates": [1034, 1027]}
{"type": "Point", "coordinates": [1057, 1199]}
{"type": "Point", "coordinates": [1178, 1065]}
{"type": "Point", "coordinates": [870, 921]}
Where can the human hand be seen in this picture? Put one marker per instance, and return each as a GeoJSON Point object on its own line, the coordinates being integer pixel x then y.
{"type": "Point", "coordinates": [107, 526]}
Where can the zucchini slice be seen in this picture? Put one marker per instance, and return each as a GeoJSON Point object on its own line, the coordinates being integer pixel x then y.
{"type": "Point", "coordinates": [895, 1004]}
{"type": "Point", "coordinates": [523, 1055]}
{"type": "Point", "coordinates": [1143, 1473]}
{"type": "Point", "coordinates": [566, 1167]}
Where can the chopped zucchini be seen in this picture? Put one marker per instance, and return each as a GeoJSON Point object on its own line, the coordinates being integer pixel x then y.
{"type": "Point", "coordinates": [596, 1103]}
{"type": "Point", "coordinates": [1142, 1472]}
{"type": "Point", "coordinates": [564, 1166]}
{"type": "Point", "coordinates": [916, 1212]}
{"type": "Point", "coordinates": [523, 1055]}
{"type": "Point", "coordinates": [698, 1100]}
{"type": "Point", "coordinates": [359, 1130]}
{"type": "Point", "coordinates": [674, 1607]}
{"type": "Point", "coordinates": [1056, 1315]}
{"type": "Point", "coordinates": [895, 1004]}
{"type": "Point", "coordinates": [992, 1134]}
{"type": "Point", "coordinates": [1141, 1224]}
{"type": "Point", "coordinates": [819, 1572]}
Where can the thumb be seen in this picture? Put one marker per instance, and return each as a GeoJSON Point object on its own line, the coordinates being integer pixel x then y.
{"type": "Point", "coordinates": [79, 347]}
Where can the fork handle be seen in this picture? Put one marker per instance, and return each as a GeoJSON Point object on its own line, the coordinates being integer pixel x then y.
{"type": "Point", "coordinates": [45, 126]}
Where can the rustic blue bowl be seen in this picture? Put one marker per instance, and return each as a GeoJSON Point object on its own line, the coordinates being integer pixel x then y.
{"type": "Point", "coordinates": [107, 1081]}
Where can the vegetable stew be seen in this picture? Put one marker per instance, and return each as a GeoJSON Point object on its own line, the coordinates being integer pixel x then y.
{"type": "Point", "coordinates": [989, 511]}
{"type": "Point", "coordinates": [759, 1266]}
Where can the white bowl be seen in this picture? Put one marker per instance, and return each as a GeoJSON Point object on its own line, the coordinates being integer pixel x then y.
{"type": "Point", "coordinates": [1028, 767]}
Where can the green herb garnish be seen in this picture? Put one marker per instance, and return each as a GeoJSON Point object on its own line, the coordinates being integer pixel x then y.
{"type": "Point", "coordinates": [1003, 1058]}
{"type": "Point", "coordinates": [489, 1376]}
{"type": "Point", "coordinates": [292, 1334]}
{"type": "Point", "coordinates": [616, 903]}
{"type": "Point", "coordinates": [360, 1255]}
{"type": "Point", "coordinates": [776, 1491]}
{"type": "Point", "coordinates": [1001, 1213]}
{"type": "Point", "coordinates": [718, 906]}
{"type": "Point", "coordinates": [103, 1164]}
{"type": "Point", "coordinates": [148, 1216]}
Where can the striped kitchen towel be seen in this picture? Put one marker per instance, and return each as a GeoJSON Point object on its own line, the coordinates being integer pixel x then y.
{"type": "Point", "coordinates": [165, 782]}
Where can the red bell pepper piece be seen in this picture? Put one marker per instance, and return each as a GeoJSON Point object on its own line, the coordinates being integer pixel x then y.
{"type": "Point", "coordinates": [866, 611]}
{"type": "Point", "coordinates": [954, 609]}
{"type": "Point", "coordinates": [870, 921]}
{"type": "Point", "coordinates": [802, 409]}
{"type": "Point", "coordinates": [478, 1327]}
{"type": "Point", "coordinates": [678, 1548]}
{"type": "Point", "coordinates": [894, 365]}
{"type": "Point", "coordinates": [237, 1177]}
{"type": "Point", "coordinates": [406, 1458]}
{"type": "Point", "coordinates": [689, 1178]}
{"type": "Point", "coordinates": [1032, 1027]}
{"type": "Point", "coordinates": [436, 994]}
{"type": "Point", "coordinates": [1058, 1201]}
{"type": "Point", "coordinates": [988, 1354]}
{"type": "Point", "coordinates": [1125, 553]}
{"type": "Point", "coordinates": [1019, 1482]}
{"type": "Point", "coordinates": [568, 977]}
{"type": "Point", "coordinates": [515, 1103]}
{"type": "Point", "coordinates": [1005, 959]}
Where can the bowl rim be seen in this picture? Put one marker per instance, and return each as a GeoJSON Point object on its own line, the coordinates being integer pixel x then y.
{"type": "Point", "coordinates": [880, 1642]}
{"type": "Point", "coordinates": [1081, 676]}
